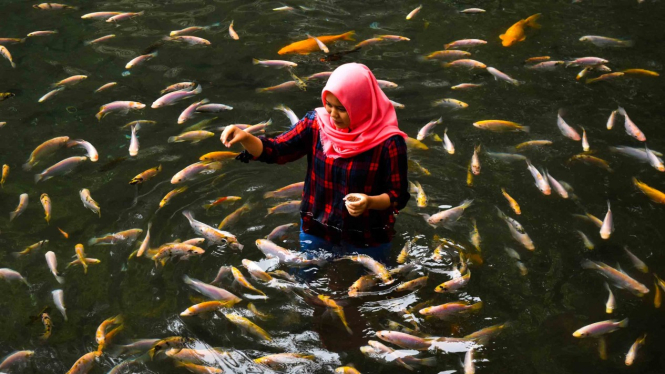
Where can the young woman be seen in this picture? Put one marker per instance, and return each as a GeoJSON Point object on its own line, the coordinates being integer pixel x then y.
{"type": "Point", "coordinates": [353, 145]}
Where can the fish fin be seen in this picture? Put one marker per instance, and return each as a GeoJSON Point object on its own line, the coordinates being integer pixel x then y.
{"type": "Point", "coordinates": [349, 36]}
{"type": "Point", "coordinates": [531, 21]}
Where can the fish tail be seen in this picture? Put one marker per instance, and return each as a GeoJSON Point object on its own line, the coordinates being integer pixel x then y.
{"type": "Point", "coordinates": [476, 307]}
{"type": "Point", "coordinates": [13, 64]}
{"type": "Point", "coordinates": [591, 80]}
{"type": "Point", "coordinates": [12, 215]}
{"type": "Point", "coordinates": [531, 21]}
{"type": "Point", "coordinates": [100, 115]}
{"type": "Point", "coordinates": [93, 241]}
{"type": "Point", "coordinates": [38, 177]}
{"type": "Point", "coordinates": [60, 280]}
{"type": "Point", "coordinates": [17, 254]}
{"type": "Point", "coordinates": [466, 203]}
{"type": "Point", "coordinates": [588, 264]}
{"type": "Point", "coordinates": [143, 12]}
{"type": "Point", "coordinates": [207, 206]}
{"type": "Point", "coordinates": [172, 139]}
{"type": "Point", "coordinates": [85, 267]}
{"type": "Point", "coordinates": [623, 323]}
{"type": "Point", "coordinates": [349, 36]}
{"type": "Point", "coordinates": [621, 111]}
{"type": "Point", "coordinates": [525, 128]}
{"type": "Point", "coordinates": [256, 61]}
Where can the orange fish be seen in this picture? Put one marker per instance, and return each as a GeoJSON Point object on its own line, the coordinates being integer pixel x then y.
{"type": "Point", "coordinates": [516, 32]}
{"type": "Point", "coordinates": [306, 46]}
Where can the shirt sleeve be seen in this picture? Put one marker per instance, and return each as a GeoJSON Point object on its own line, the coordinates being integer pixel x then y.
{"type": "Point", "coordinates": [289, 146]}
{"type": "Point", "coordinates": [395, 170]}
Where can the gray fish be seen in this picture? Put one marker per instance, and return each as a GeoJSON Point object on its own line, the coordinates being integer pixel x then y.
{"type": "Point", "coordinates": [63, 167]}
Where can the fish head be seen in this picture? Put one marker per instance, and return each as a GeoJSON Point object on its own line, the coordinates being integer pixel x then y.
{"type": "Point", "coordinates": [580, 334]}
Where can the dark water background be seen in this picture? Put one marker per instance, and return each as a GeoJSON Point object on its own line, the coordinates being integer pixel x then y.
{"type": "Point", "coordinates": [545, 307]}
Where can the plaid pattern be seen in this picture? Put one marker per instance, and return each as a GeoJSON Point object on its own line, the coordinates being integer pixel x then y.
{"type": "Point", "coordinates": [380, 170]}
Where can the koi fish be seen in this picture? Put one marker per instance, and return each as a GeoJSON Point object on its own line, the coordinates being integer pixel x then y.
{"type": "Point", "coordinates": [309, 45]}
{"type": "Point", "coordinates": [515, 33]}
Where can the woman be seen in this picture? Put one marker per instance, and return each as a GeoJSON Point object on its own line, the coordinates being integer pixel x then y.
{"type": "Point", "coordinates": [353, 145]}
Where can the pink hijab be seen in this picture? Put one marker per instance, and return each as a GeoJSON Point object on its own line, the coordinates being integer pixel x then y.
{"type": "Point", "coordinates": [373, 118]}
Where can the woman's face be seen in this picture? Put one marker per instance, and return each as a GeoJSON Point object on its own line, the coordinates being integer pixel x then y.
{"type": "Point", "coordinates": [337, 112]}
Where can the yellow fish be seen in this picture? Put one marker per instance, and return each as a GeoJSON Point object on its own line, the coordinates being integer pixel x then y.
{"type": "Point", "coordinates": [655, 195]}
{"type": "Point", "coordinates": [308, 45]}
{"type": "Point", "coordinates": [515, 33]}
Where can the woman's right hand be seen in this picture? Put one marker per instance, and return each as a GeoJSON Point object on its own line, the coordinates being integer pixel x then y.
{"type": "Point", "coordinates": [232, 135]}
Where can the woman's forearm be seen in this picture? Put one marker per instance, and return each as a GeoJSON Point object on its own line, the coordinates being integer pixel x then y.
{"type": "Point", "coordinates": [379, 202]}
{"type": "Point", "coordinates": [253, 145]}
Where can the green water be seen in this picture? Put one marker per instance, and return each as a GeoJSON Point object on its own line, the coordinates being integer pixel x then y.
{"type": "Point", "coordinates": [544, 307]}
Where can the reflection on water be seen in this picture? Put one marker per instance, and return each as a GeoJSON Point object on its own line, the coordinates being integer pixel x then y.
{"type": "Point", "coordinates": [545, 306]}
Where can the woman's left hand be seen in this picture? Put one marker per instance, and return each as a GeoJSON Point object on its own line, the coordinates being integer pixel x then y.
{"type": "Point", "coordinates": [359, 207]}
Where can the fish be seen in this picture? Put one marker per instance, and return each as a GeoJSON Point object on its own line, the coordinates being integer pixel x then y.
{"type": "Point", "coordinates": [176, 343]}
{"type": "Point", "coordinates": [485, 334]}
{"type": "Point", "coordinates": [172, 97]}
{"type": "Point", "coordinates": [404, 340]}
{"type": "Point", "coordinates": [450, 103]}
{"type": "Point", "coordinates": [465, 43]}
{"type": "Point", "coordinates": [542, 183]}
{"type": "Point", "coordinates": [412, 284]}
{"type": "Point", "coordinates": [222, 200]}
{"type": "Point", "coordinates": [587, 242]}
{"type": "Point", "coordinates": [394, 38]}
{"type": "Point", "coordinates": [180, 250]}
{"type": "Point", "coordinates": [370, 41]}
{"type": "Point", "coordinates": [212, 108]}
{"type": "Point", "coordinates": [206, 307]}
{"type": "Point", "coordinates": [87, 261]}
{"type": "Point", "coordinates": [99, 40]}
{"type": "Point", "coordinates": [191, 136]}
{"type": "Point", "coordinates": [187, 39]}
{"type": "Point", "coordinates": [617, 278]}
{"type": "Point", "coordinates": [4, 52]}
{"type": "Point", "coordinates": [170, 195]}
{"type": "Point", "coordinates": [466, 86]}
{"type": "Point", "coordinates": [604, 42]}
{"type": "Point", "coordinates": [447, 143]}
{"type": "Point", "coordinates": [100, 15]}
{"type": "Point", "coordinates": [75, 79]}
{"type": "Point", "coordinates": [274, 63]}
{"type": "Point", "coordinates": [42, 33]}
{"type": "Point", "coordinates": [80, 255]}
{"type": "Point", "coordinates": [454, 284]}
{"type": "Point", "coordinates": [546, 65]}
{"type": "Point", "coordinates": [605, 77]}
{"type": "Point", "coordinates": [427, 129]}
{"type": "Point", "coordinates": [451, 310]}
{"type": "Point", "coordinates": [124, 16]}
{"type": "Point", "coordinates": [655, 195]}
{"type": "Point", "coordinates": [279, 360]}
{"type": "Point", "coordinates": [31, 248]}
{"type": "Point", "coordinates": [12, 275]}
{"type": "Point", "coordinates": [138, 124]}
{"type": "Point", "coordinates": [517, 231]}
{"type": "Point", "coordinates": [537, 59]}
{"type": "Point", "coordinates": [533, 143]}
{"type": "Point", "coordinates": [255, 271]}
{"type": "Point", "coordinates": [212, 234]}
{"type": "Point", "coordinates": [591, 160]}
{"type": "Point", "coordinates": [513, 203]}
{"type": "Point", "coordinates": [472, 10]}
{"type": "Point", "coordinates": [122, 237]}
{"type": "Point", "coordinates": [413, 12]}
{"type": "Point", "coordinates": [500, 126]}
{"type": "Point", "coordinates": [89, 202]}
{"type": "Point", "coordinates": [469, 366]}
{"type": "Point", "coordinates": [121, 107]}
{"type": "Point", "coordinates": [59, 301]}
{"type": "Point", "coordinates": [285, 207]}
{"type": "Point", "coordinates": [515, 33]}
{"type": "Point", "coordinates": [447, 55]}
{"type": "Point", "coordinates": [290, 258]}
{"type": "Point", "coordinates": [139, 60]}
{"type": "Point", "coordinates": [100, 333]}
{"type": "Point", "coordinates": [5, 174]}
{"type": "Point", "coordinates": [421, 197]}
{"type": "Point", "coordinates": [632, 352]}
{"type": "Point", "coordinates": [146, 175]}
{"type": "Point", "coordinates": [232, 218]}
{"type": "Point", "coordinates": [52, 263]}
{"type": "Point", "coordinates": [566, 129]}
{"type": "Point", "coordinates": [597, 329]}
{"type": "Point", "coordinates": [210, 291]}
{"type": "Point", "coordinates": [498, 75]}
{"type": "Point", "coordinates": [637, 263]}
{"type": "Point", "coordinates": [466, 63]}
{"type": "Point", "coordinates": [475, 161]}
{"type": "Point", "coordinates": [289, 114]}
{"type": "Point", "coordinates": [50, 94]}
{"type": "Point", "coordinates": [587, 61]}
{"type": "Point", "coordinates": [92, 155]}
{"type": "Point", "coordinates": [218, 156]}
{"type": "Point", "coordinates": [611, 303]}
{"type": "Point", "coordinates": [232, 32]}
{"type": "Point", "coordinates": [16, 358]}
{"type": "Point", "coordinates": [640, 72]}
{"type": "Point", "coordinates": [397, 105]}
{"type": "Point", "coordinates": [20, 208]}
{"type": "Point", "coordinates": [657, 297]}
{"type": "Point", "coordinates": [412, 143]}
{"type": "Point", "coordinates": [60, 168]}
{"type": "Point", "coordinates": [4, 41]}
{"type": "Point", "coordinates": [194, 170]}
{"type": "Point", "coordinates": [248, 326]}
{"type": "Point", "coordinates": [654, 160]}
{"type": "Point", "coordinates": [182, 86]}
{"type": "Point", "coordinates": [556, 185]}
{"type": "Point", "coordinates": [279, 232]}
{"type": "Point", "coordinates": [447, 217]}
{"type": "Point", "coordinates": [608, 223]}
{"type": "Point", "coordinates": [85, 363]}
{"type": "Point", "coordinates": [309, 45]}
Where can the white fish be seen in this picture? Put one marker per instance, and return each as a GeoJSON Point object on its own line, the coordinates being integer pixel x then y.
{"type": "Point", "coordinates": [557, 186]}
{"type": "Point", "coordinates": [448, 216]}
{"type": "Point", "coordinates": [608, 223]}
{"type": "Point", "coordinates": [12, 275]}
{"type": "Point", "coordinates": [413, 12]}
{"type": "Point", "coordinates": [517, 231]}
{"type": "Point", "coordinates": [89, 202]}
{"type": "Point", "coordinates": [427, 129]}
{"type": "Point", "coordinates": [654, 160]}
{"type": "Point", "coordinates": [447, 143]}
{"type": "Point", "coordinates": [565, 129]}
{"type": "Point", "coordinates": [611, 303]}
{"type": "Point", "coordinates": [52, 263]}
{"type": "Point", "coordinates": [498, 75]}
{"type": "Point", "coordinates": [289, 113]}
{"type": "Point", "coordinates": [59, 301]}
{"type": "Point", "coordinates": [134, 143]}
{"type": "Point", "coordinates": [610, 121]}
{"type": "Point", "coordinates": [585, 141]}
{"type": "Point", "coordinates": [188, 113]}
{"type": "Point", "coordinates": [631, 127]}
{"type": "Point", "coordinates": [22, 206]}
{"type": "Point", "coordinates": [319, 43]}
{"type": "Point", "coordinates": [469, 367]}
{"type": "Point", "coordinates": [92, 151]}
{"type": "Point", "coordinates": [541, 182]}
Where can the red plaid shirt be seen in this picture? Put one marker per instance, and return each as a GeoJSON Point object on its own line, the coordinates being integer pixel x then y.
{"type": "Point", "coordinates": [380, 170]}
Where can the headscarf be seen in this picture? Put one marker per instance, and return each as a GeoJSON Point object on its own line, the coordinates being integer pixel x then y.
{"type": "Point", "coordinates": [372, 115]}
